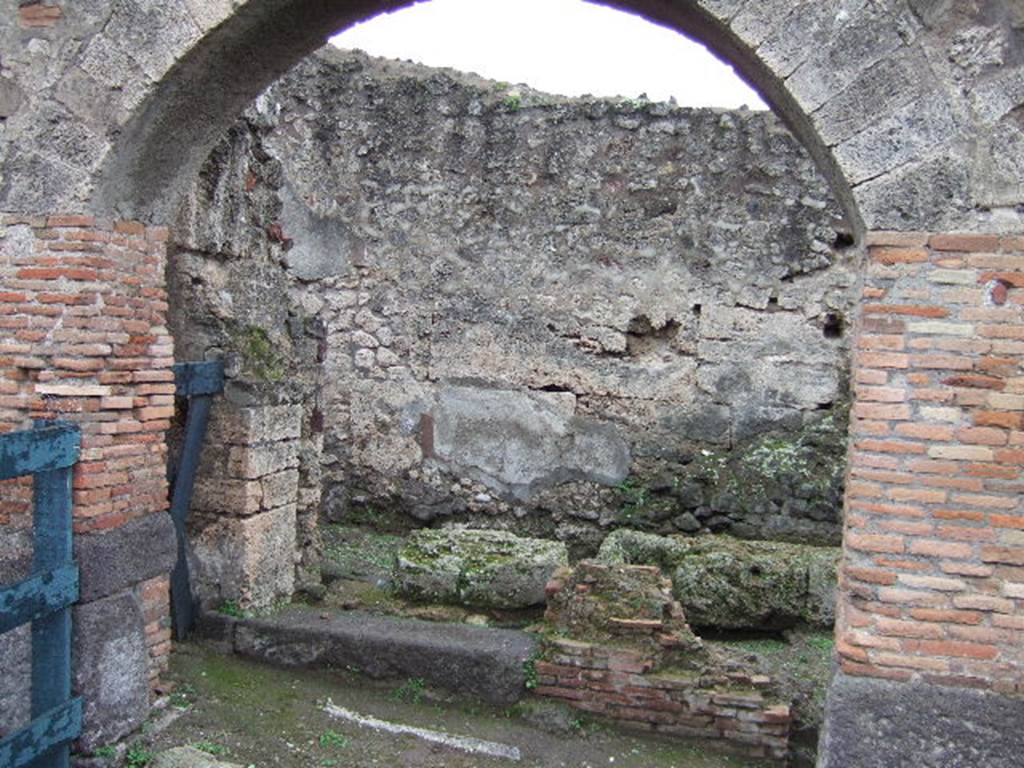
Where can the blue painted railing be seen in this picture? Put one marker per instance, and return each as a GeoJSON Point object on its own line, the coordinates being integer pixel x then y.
{"type": "Point", "coordinates": [47, 453]}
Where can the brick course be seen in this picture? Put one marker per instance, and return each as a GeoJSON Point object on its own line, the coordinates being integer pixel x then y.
{"type": "Point", "coordinates": [619, 684]}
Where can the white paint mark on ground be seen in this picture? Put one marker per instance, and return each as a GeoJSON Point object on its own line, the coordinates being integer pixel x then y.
{"type": "Point", "coordinates": [464, 743]}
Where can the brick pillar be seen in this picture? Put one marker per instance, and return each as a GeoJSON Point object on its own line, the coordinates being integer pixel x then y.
{"type": "Point", "coordinates": [83, 338]}
{"type": "Point", "coordinates": [930, 634]}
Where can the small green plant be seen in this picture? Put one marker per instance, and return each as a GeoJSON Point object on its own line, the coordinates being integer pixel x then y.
{"type": "Point", "coordinates": [512, 102]}
{"type": "Point", "coordinates": [823, 643]}
{"type": "Point", "coordinates": [634, 498]}
{"type": "Point", "coordinates": [108, 750]}
{"type": "Point", "coordinates": [232, 609]}
{"type": "Point", "coordinates": [210, 748]}
{"type": "Point", "coordinates": [333, 740]}
{"type": "Point", "coordinates": [181, 698]}
{"type": "Point", "coordinates": [137, 756]}
{"type": "Point", "coordinates": [411, 691]}
{"type": "Point", "coordinates": [531, 679]}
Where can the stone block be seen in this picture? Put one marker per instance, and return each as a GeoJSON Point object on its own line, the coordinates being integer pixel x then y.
{"type": "Point", "coordinates": [256, 461]}
{"type": "Point", "coordinates": [111, 668]}
{"type": "Point", "coordinates": [727, 583]}
{"type": "Point", "coordinates": [491, 569]}
{"type": "Point", "coordinates": [241, 426]}
{"type": "Point", "coordinates": [122, 557]}
{"type": "Point", "coordinates": [874, 723]}
{"type": "Point", "coordinates": [250, 560]}
{"type": "Point", "coordinates": [478, 661]}
{"type": "Point", "coordinates": [280, 488]}
{"type": "Point", "coordinates": [227, 496]}
{"type": "Point", "coordinates": [217, 630]}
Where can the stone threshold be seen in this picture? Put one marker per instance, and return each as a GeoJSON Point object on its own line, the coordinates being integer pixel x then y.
{"type": "Point", "coordinates": [477, 661]}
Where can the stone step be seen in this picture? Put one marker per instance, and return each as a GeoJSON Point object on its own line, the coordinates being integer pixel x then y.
{"type": "Point", "coordinates": [478, 661]}
{"type": "Point", "coordinates": [189, 757]}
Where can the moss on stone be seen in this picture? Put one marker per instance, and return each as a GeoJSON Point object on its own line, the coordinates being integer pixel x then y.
{"type": "Point", "coordinates": [259, 354]}
{"type": "Point", "coordinates": [787, 483]}
{"type": "Point", "coordinates": [483, 568]}
{"type": "Point", "coordinates": [735, 584]}
{"type": "Point", "coordinates": [358, 553]}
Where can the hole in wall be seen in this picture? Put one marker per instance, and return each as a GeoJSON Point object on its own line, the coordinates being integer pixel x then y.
{"type": "Point", "coordinates": [843, 240]}
{"type": "Point", "coordinates": [834, 326]}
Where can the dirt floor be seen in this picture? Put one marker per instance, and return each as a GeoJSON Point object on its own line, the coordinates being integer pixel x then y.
{"type": "Point", "coordinates": [257, 716]}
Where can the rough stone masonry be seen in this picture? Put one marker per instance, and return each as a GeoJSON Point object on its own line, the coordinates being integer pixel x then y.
{"type": "Point", "coordinates": [910, 107]}
{"type": "Point", "coordinates": [556, 316]}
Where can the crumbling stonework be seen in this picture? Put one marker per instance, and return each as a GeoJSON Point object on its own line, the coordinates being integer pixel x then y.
{"type": "Point", "coordinates": [487, 569]}
{"type": "Point", "coordinates": [726, 583]}
{"type": "Point", "coordinates": [618, 645]}
{"type": "Point", "coordinates": [528, 313]}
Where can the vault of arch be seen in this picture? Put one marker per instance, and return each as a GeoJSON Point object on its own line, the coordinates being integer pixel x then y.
{"type": "Point", "coordinates": [237, 58]}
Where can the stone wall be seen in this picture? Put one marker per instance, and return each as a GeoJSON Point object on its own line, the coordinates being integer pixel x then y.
{"type": "Point", "coordinates": [514, 310]}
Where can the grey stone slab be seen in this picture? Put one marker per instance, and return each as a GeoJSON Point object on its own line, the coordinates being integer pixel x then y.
{"type": "Point", "coordinates": [139, 550]}
{"type": "Point", "coordinates": [111, 671]}
{"type": "Point", "coordinates": [189, 757]}
{"type": "Point", "coordinates": [319, 245]}
{"type": "Point", "coordinates": [518, 440]}
{"type": "Point", "coordinates": [887, 724]}
{"type": "Point", "coordinates": [485, 663]}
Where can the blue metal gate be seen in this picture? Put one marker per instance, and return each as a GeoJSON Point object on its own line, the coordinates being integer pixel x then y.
{"type": "Point", "coordinates": [47, 453]}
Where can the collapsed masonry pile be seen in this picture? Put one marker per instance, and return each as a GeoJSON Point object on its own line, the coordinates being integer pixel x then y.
{"type": "Point", "coordinates": [642, 666]}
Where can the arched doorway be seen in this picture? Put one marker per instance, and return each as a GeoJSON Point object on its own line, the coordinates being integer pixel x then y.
{"type": "Point", "coordinates": [930, 585]}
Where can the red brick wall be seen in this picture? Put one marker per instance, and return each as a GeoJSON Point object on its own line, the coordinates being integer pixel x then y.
{"type": "Point", "coordinates": [933, 574]}
{"type": "Point", "coordinates": [83, 338]}
{"type": "Point", "coordinates": [155, 596]}
{"type": "Point", "coordinates": [619, 684]}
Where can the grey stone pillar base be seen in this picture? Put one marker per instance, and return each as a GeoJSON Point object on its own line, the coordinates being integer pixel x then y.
{"type": "Point", "coordinates": [111, 668]}
{"type": "Point", "coordinates": [871, 723]}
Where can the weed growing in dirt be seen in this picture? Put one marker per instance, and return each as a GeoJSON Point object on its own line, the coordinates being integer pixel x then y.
{"type": "Point", "coordinates": [411, 691]}
{"type": "Point", "coordinates": [210, 748]}
{"type": "Point", "coordinates": [137, 756]}
{"type": "Point", "coordinates": [333, 740]}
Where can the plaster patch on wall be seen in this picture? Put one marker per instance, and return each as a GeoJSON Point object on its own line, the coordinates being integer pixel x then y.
{"type": "Point", "coordinates": [515, 441]}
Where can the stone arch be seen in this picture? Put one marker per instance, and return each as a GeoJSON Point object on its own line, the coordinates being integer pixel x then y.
{"type": "Point", "coordinates": [214, 80]}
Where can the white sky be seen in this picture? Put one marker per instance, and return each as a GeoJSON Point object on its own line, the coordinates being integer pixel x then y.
{"type": "Point", "coordinates": [566, 47]}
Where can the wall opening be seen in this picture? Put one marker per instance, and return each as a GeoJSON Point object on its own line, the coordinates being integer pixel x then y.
{"type": "Point", "coordinates": [451, 302]}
